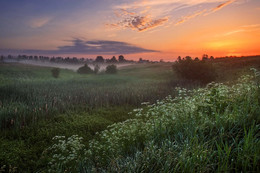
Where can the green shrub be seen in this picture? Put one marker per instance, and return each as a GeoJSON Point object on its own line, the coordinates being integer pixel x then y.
{"type": "Point", "coordinates": [55, 72]}
{"type": "Point", "coordinates": [111, 69]}
{"type": "Point", "coordinates": [195, 70]}
{"type": "Point", "coordinates": [85, 70]}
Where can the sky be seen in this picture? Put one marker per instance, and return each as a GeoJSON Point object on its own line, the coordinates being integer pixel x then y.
{"type": "Point", "coordinates": [148, 29]}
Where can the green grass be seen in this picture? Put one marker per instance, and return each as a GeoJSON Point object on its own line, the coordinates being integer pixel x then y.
{"type": "Point", "coordinates": [35, 107]}
{"type": "Point", "coordinates": [23, 147]}
{"type": "Point", "coordinates": [30, 94]}
{"type": "Point", "coordinates": [215, 129]}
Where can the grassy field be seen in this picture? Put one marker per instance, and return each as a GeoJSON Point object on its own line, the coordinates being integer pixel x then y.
{"type": "Point", "coordinates": [215, 129]}
{"type": "Point", "coordinates": [33, 94]}
{"type": "Point", "coordinates": [35, 107]}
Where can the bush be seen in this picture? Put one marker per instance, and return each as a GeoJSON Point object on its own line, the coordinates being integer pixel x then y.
{"type": "Point", "coordinates": [111, 69]}
{"type": "Point", "coordinates": [85, 70]}
{"type": "Point", "coordinates": [55, 72]}
{"type": "Point", "coordinates": [195, 70]}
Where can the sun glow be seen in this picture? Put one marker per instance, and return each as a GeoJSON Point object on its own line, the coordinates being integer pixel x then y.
{"type": "Point", "coordinates": [226, 45]}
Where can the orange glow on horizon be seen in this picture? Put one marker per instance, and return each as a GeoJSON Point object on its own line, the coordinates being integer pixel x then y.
{"type": "Point", "coordinates": [151, 29]}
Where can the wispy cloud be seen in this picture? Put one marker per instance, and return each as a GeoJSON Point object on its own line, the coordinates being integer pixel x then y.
{"type": "Point", "coordinates": [251, 26]}
{"type": "Point", "coordinates": [142, 23]}
{"type": "Point", "coordinates": [139, 23]}
{"type": "Point", "coordinates": [156, 3]}
{"type": "Point", "coordinates": [39, 22]}
{"type": "Point", "coordinates": [220, 6]}
{"type": "Point", "coordinates": [244, 28]}
{"type": "Point", "coordinates": [186, 18]}
{"type": "Point", "coordinates": [142, 15]}
{"type": "Point", "coordinates": [123, 12]}
{"type": "Point", "coordinates": [234, 32]}
{"type": "Point", "coordinates": [80, 46]}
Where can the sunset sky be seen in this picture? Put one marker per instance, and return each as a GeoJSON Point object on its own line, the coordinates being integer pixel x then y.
{"type": "Point", "coordinates": [151, 29]}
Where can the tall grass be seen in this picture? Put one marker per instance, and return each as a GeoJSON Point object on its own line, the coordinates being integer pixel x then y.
{"type": "Point", "coordinates": [215, 129]}
{"type": "Point", "coordinates": [27, 99]}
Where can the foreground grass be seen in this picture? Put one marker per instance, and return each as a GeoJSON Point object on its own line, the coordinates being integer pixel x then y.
{"type": "Point", "coordinates": [23, 148]}
{"type": "Point", "coordinates": [215, 129]}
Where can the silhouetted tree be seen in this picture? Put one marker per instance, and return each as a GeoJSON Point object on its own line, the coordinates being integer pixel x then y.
{"type": "Point", "coordinates": [205, 57]}
{"type": "Point", "coordinates": [188, 58]}
{"type": "Point", "coordinates": [55, 72]}
{"type": "Point", "coordinates": [113, 60]}
{"type": "Point", "coordinates": [121, 58]}
{"type": "Point", "coordinates": [1, 58]}
{"type": "Point", "coordinates": [85, 70]}
{"type": "Point", "coordinates": [99, 59]}
{"type": "Point", "coordinates": [74, 60]}
{"type": "Point", "coordinates": [195, 70]}
{"type": "Point", "coordinates": [111, 69]}
{"type": "Point", "coordinates": [35, 58]}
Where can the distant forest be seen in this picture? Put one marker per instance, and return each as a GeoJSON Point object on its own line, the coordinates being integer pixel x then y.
{"type": "Point", "coordinates": [70, 60]}
{"type": "Point", "coordinates": [121, 59]}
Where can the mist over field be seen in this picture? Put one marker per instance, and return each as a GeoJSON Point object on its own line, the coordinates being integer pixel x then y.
{"type": "Point", "coordinates": [73, 67]}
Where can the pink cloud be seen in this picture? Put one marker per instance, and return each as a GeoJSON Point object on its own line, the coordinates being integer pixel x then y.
{"type": "Point", "coordinates": [137, 15]}
{"type": "Point", "coordinates": [39, 22]}
{"type": "Point", "coordinates": [222, 5]}
{"type": "Point", "coordinates": [139, 23]}
{"type": "Point", "coordinates": [186, 18]}
{"type": "Point", "coordinates": [123, 12]}
{"type": "Point", "coordinates": [144, 23]}
{"type": "Point", "coordinates": [245, 28]}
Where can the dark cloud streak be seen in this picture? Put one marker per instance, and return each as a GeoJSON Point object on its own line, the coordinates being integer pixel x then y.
{"type": "Point", "coordinates": [80, 46]}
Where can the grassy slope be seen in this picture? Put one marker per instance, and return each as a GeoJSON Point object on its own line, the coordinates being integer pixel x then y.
{"type": "Point", "coordinates": [22, 85]}
{"type": "Point", "coordinates": [215, 129]}
{"type": "Point", "coordinates": [32, 93]}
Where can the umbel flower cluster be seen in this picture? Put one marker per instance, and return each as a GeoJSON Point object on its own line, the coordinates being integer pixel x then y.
{"type": "Point", "coordinates": [65, 153]}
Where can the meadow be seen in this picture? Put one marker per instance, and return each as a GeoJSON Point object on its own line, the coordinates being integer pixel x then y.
{"type": "Point", "coordinates": [34, 94]}
{"type": "Point", "coordinates": [134, 121]}
{"type": "Point", "coordinates": [35, 106]}
{"type": "Point", "coordinates": [214, 129]}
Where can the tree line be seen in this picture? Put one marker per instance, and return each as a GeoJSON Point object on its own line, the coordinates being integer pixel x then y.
{"type": "Point", "coordinates": [202, 70]}
{"type": "Point", "coordinates": [75, 60]}
{"type": "Point", "coordinates": [69, 60]}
